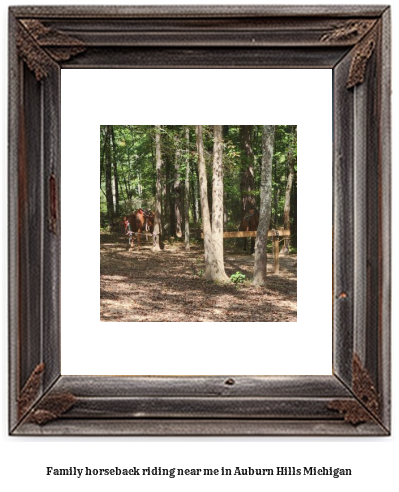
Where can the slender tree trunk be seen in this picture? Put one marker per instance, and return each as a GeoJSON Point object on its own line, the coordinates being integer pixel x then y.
{"type": "Point", "coordinates": [247, 183]}
{"type": "Point", "coordinates": [115, 172]}
{"type": "Point", "coordinates": [197, 212]}
{"type": "Point", "coordinates": [158, 206]}
{"type": "Point", "coordinates": [294, 214]}
{"type": "Point", "coordinates": [154, 169]}
{"type": "Point", "coordinates": [203, 188]}
{"type": "Point", "coordinates": [171, 201]}
{"type": "Point", "coordinates": [218, 272]}
{"type": "Point", "coordinates": [108, 176]}
{"type": "Point", "coordinates": [192, 190]}
{"type": "Point", "coordinates": [102, 157]}
{"type": "Point", "coordinates": [139, 187]}
{"type": "Point", "coordinates": [187, 194]}
{"type": "Point", "coordinates": [260, 265]}
{"type": "Point", "coordinates": [165, 198]}
{"type": "Point", "coordinates": [287, 203]}
{"type": "Point", "coordinates": [177, 188]}
{"type": "Point", "coordinates": [127, 187]}
{"type": "Point", "coordinates": [277, 194]}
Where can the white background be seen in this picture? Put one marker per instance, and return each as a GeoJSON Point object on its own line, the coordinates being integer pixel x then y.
{"type": "Point", "coordinates": [373, 460]}
{"type": "Point", "coordinates": [136, 96]}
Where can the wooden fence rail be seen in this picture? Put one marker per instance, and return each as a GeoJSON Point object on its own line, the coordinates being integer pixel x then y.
{"type": "Point", "coordinates": [275, 234]}
{"type": "Point", "coordinates": [271, 233]}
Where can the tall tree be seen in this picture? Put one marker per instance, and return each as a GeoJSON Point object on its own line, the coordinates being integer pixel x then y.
{"type": "Point", "coordinates": [276, 196]}
{"type": "Point", "coordinates": [196, 206]}
{"type": "Point", "coordinates": [158, 206]}
{"type": "Point", "coordinates": [108, 175]}
{"type": "Point", "coordinates": [169, 161]}
{"type": "Point", "coordinates": [187, 193]}
{"type": "Point", "coordinates": [213, 235]}
{"type": "Point", "coordinates": [247, 183]}
{"type": "Point", "coordinates": [203, 189]}
{"type": "Point", "coordinates": [115, 183]}
{"type": "Point", "coordinates": [103, 142]}
{"type": "Point", "coordinates": [177, 186]}
{"type": "Point", "coordinates": [260, 265]}
{"type": "Point", "coordinates": [217, 271]}
{"type": "Point", "coordinates": [165, 197]}
{"type": "Point", "coordinates": [287, 203]}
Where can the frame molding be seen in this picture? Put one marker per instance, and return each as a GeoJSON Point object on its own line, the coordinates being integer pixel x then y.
{"type": "Point", "coordinates": [352, 41]}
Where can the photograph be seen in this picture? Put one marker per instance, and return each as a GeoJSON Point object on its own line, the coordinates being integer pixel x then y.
{"type": "Point", "coordinates": [198, 223]}
{"type": "Point", "coordinates": [290, 384]}
{"type": "Point", "coordinates": [272, 371]}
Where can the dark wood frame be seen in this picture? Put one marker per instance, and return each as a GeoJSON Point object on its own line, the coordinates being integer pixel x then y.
{"type": "Point", "coordinates": [353, 41]}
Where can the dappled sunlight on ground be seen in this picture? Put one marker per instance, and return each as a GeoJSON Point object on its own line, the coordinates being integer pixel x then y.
{"type": "Point", "coordinates": [169, 286]}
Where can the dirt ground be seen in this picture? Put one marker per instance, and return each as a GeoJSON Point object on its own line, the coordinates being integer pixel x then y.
{"type": "Point", "coordinates": [169, 286]}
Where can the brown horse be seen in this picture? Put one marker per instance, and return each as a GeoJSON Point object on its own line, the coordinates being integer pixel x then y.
{"type": "Point", "coordinates": [250, 222]}
{"type": "Point", "coordinates": [123, 224]}
{"type": "Point", "coordinates": [140, 221]}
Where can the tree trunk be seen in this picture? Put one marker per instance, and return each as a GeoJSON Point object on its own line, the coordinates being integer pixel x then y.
{"type": "Point", "coordinates": [158, 206]}
{"type": "Point", "coordinates": [203, 189]}
{"type": "Point", "coordinates": [247, 183]}
{"type": "Point", "coordinates": [139, 187]}
{"type": "Point", "coordinates": [165, 198]}
{"type": "Point", "coordinates": [293, 231]}
{"type": "Point", "coordinates": [169, 192]}
{"type": "Point", "coordinates": [260, 265]}
{"type": "Point", "coordinates": [196, 206]}
{"type": "Point", "coordinates": [177, 188]}
{"type": "Point", "coordinates": [276, 198]}
{"type": "Point", "coordinates": [217, 271]}
{"type": "Point", "coordinates": [187, 194]}
{"type": "Point", "coordinates": [115, 172]}
{"type": "Point", "coordinates": [108, 176]}
{"type": "Point", "coordinates": [102, 157]}
{"type": "Point", "coordinates": [287, 203]}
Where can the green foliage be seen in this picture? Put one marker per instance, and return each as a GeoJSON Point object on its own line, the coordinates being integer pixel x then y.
{"type": "Point", "coordinates": [133, 155]}
{"type": "Point", "coordinates": [237, 278]}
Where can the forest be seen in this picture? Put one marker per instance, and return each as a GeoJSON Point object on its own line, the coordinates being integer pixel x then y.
{"type": "Point", "coordinates": [198, 223]}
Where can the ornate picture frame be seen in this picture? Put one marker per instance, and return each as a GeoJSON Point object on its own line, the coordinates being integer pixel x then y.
{"type": "Point", "coordinates": [353, 42]}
